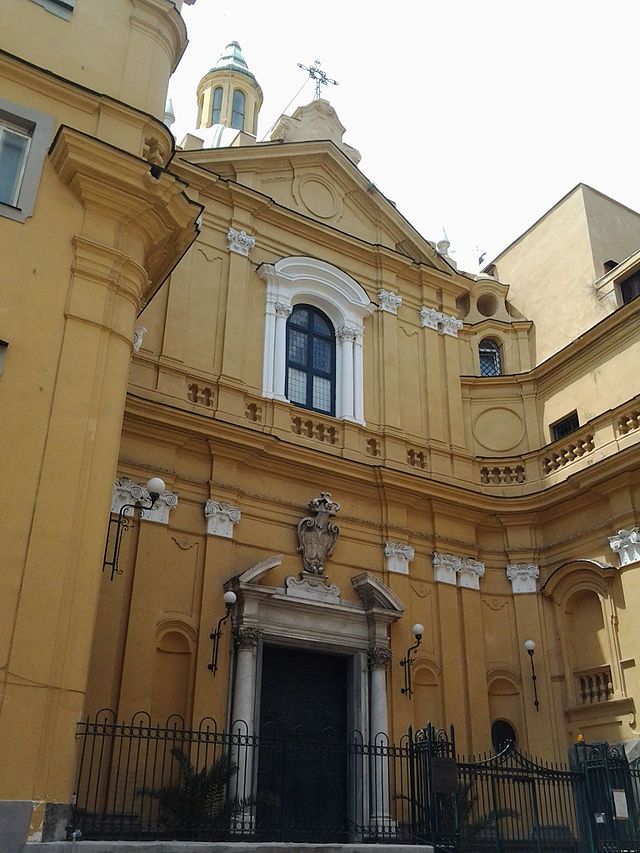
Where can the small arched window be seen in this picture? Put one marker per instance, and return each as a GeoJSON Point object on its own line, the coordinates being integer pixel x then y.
{"type": "Point", "coordinates": [502, 734]}
{"type": "Point", "coordinates": [311, 358]}
{"type": "Point", "coordinates": [237, 110]}
{"type": "Point", "coordinates": [490, 358]}
{"type": "Point", "coordinates": [217, 105]}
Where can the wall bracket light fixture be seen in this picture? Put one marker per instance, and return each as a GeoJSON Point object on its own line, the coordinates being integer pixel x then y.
{"type": "Point", "coordinates": [407, 661]}
{"type": "Point", "coordinates": [530, 648]}
{"type": "Point", "coordinates": [229, 599]}
{"type": "Point", "coordinates": [117, 526]}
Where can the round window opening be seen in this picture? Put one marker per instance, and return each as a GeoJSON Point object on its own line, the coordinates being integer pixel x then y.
{"type": "Point", "coordinates": [502, 734]}
{"type": "Point", "coordinates": [487, 304]}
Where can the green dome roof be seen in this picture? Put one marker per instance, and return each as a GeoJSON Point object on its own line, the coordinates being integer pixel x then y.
{"type": "Point", "coordinates": [231, 59]}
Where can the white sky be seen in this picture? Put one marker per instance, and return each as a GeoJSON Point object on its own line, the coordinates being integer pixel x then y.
{"type": "Point", "coordinates": [472, 115]}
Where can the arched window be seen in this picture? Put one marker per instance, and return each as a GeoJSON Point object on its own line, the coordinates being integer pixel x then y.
{"type": "Point", "coordinates": [298, 281]}
{"type": "Point", "coordinates": [502, 733]}
{"type": "Point", "coordinates": [217, 105]}
{"type": "Point", "coordinates": [237, 110]}
{"type": "Point", "coordinates": [490, 360]}
{"type": "Point", "coordinates": [311, 359]}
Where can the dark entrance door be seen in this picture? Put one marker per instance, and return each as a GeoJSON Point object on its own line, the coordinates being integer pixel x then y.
{"type": "Point", "coordinates": [302, 760]}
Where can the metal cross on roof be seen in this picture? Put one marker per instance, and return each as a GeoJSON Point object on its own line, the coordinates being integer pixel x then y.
{"type": "Point", "coordinates": [315, 73]}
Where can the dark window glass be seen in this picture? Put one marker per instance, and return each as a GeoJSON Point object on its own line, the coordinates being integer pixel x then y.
{"type": "Point", "coordinates": [237, 110]}
{"type": "Point", "coordinates": [490, 362]}
{"type": "Point", "coordinates": [630, 288]}
{"type": "Point", "coordinates": [502, 733]}
{"type": "Point", "coordinates": [565, 426]}
{"type": "Point", "coordinates": [217, 105]}
{"type": "Point", "coordinates": [311, 348]}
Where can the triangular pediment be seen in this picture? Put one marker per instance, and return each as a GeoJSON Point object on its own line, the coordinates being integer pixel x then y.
{"type": "Point", "coordinates": [317, 180]}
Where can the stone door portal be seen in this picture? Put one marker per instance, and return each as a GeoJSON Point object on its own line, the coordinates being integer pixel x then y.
{"type": "Point", "coordinates": [302, 763]}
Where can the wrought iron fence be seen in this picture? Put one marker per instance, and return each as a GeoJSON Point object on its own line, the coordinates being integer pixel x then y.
{"type": "Point", "coordinates": [139, 781]}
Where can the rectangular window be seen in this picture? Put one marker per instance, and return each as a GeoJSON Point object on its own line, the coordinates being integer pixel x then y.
{"type": "Point", "coordinates": [25, 136]}
{"type": "Point", "coordinates": [630, 288]}
{"type": "Point", "coordinates": [564, 426]}
{"type": "Point", "coordinates": [14, 148]}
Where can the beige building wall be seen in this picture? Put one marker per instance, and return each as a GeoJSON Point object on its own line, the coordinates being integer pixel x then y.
{"type": "Point", "coordinates": [101, 237]}
{"type": "Point", "coordinates": [552, 268]}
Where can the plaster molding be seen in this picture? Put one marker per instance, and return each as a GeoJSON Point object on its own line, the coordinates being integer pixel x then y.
{"type": "Point", "coordinates": [240, 242]}
{"type": "Point", "coordinates": [121, 186]}
{"type": "Point", "coordinates": [389, 301]}
{"type": "Point", "coordinates": [398, 556]}
{"type": "Point", "coordinates": [523, 577]}
{"type": "Point", "coordinates": [221, 518]}
{"type": "Point", "coordinates": [282, 309]}
{"type": "Point", "coordinates": [376, 595]}
{"type": "Point", "coordinates": [348, 333]}
{"type": "Point", "coordinates": [461, 571]}
{"type": "Point", "coordinates": [626, 544]}
{"type": "Point", "coordinates": [125, 491]}
{"type": "Point", "coordinates": [446, 324]}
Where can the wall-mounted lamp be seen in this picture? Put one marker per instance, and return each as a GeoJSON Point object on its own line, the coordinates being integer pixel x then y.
{"type": "Point", "coordinates": [155, 488]}
{"type": "Point", "coordinates": [530, 648]}
{"type": "Point", "coordinates": [407, 662]}
{"type": "Point", "coordinates": [229, 599]}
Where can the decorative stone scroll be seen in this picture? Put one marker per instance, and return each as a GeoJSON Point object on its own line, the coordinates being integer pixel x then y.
{"type": "Point", "coordinates": [523, 577]}
{"type": "Point", "coordinates": [221, 518]}
{"type": "Point", "coordinates": [398, 557]}
{"type": "Point", "coordinates": [312, 588]}
{"type": "Point", "coordinates": [317, 535]}
{"type": "Point", "coordinates": [389, 301]}
{"type": "Point", "coordinates": [125, 491]}
{"type": "Point", "coordinates": [379, 657]}
{"type": "Point", "coordinates": [463, 571]}
{"type": "Point", "coordinates": [247, 637]}
{"type": "Point", "coordinates": [626, 544]}
{"type": "Point", "coordinates": [240, 242]}
{"type": "Point", "coordinates": [138, 335]}
{"type": "Point", "coordinates": [446, 324]}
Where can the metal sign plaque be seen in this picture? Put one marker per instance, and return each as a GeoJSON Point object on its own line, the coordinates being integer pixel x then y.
{"type": "Point", "coordinates": [444, 775]}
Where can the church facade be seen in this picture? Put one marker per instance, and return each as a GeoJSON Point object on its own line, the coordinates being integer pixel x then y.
{"type": "Point", "coordinates": [368, 455]}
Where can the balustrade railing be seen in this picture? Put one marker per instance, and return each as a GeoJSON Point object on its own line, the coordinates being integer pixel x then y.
{"type": "Point", "coordinates": [594, 685]}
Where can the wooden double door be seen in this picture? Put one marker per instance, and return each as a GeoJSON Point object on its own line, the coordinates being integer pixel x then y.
{"type": "Point", "coordinates": [303, 761]}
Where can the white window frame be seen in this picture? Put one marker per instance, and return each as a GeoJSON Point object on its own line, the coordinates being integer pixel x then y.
{"type": "Point", "coordinates": [299, 280]}
{"type": "Point", "coordinates": [39, 127]}
{"type": "Point", "coordinates": [14, 129]}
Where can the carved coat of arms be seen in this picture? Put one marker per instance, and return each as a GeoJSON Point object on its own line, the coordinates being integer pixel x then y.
{"type": "Point", "coordinates": [318, 535]}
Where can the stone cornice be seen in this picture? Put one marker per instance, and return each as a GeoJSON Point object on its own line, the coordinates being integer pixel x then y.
{"type": "Point", "coordinates": [123, 187]}
{"type": "Point", "coordinates": [72, 94]}
{"type": "Point", "coordinates": [162, 413]}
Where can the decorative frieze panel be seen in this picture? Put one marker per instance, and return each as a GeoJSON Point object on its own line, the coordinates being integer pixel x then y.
{"type": "Point", "coordinates": [221, 518]}
{"type": "Point", "coordinates": [125, 491]}
{"type": "Point", "coordinates": [626, 544]}
{"type": "Point", "coordinates": [523, 577]}
{"type": "Point", "coordinates": [325, 433]}
{"type": "Point", "coordinates": [446, 324]}
{"type": "Point", "coordinates": [389, 301]}
{"type": "Point", "coordinates": [398, 557]}
{"type": "Point", "coordinates": [461, 571]}
{"type": "Point", "coordinates": [240, 242]}
{"type": "Point", "coordinates": [201, 395]}
{"type": "Point", "coordinates": [313, 588]}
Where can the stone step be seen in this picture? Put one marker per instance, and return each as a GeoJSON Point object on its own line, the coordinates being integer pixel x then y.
{"type": "Point", "coordinates": [216, 847]}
